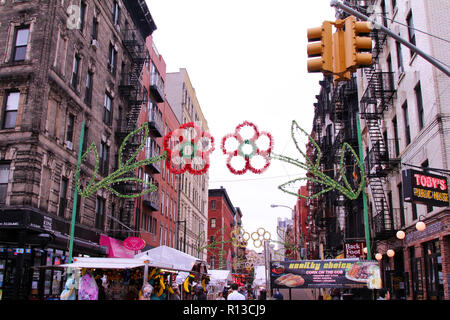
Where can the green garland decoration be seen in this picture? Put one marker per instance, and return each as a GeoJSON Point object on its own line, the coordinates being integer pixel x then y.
{"type": "Point", "coordinates": [317, 175]}
{"type": "Point", "coordinates": [116, 176]}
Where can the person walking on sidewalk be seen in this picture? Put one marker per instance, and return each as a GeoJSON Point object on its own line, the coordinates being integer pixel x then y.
{"type": "Point", "coordinates": [235, 295]}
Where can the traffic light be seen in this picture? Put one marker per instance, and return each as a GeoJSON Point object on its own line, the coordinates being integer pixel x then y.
{"type": "Point", "coordinates": [323, 49]}
{"type": "Point", "coordinates": [355, 45]}
{"type": "Point", "coordinates": [340, 71]}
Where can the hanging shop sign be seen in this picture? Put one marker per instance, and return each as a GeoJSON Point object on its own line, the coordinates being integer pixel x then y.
{"type": "Point", "coordinates": [425, 188]}
{"type": "Point", "coordinates": [353, 249]}
{"type": "Point", "coordinates": [134, 243]}
{"type": "Point", "coordinates": [335, 273]}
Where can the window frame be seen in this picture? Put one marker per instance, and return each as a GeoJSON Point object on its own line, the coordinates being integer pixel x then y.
{"type": "Point", "coordinates": [15, 46]}
{"type": "Point", "coordinates": [6, 111]}
{"type": "Point", "coordinates": [4, 185]}
{"type": "Point", "coordinates": [107, 113]}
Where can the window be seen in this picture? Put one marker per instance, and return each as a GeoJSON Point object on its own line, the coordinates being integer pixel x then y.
{"type": "Point", "coordinates": [76, 67]}
{"type": "Point", "coordinates": [94, 31]}
{"type": "Point", "coordinates": [213, 223]}
{"type": "Point", "coordinates": [88, 89]}
{"type": "Point", "coordinates": [63, 197]}
{"type": "Point", "coordinates": [85, 139]}
{"type": "Point", "coordinates": [107, 109]}
{"type": "Point", "coordinates": [100, 212]}
{"type": "Point", "coordinates": [213, 204]}
{"type": "Point", "coordinates": [411, 32]}
{"type": "Point", "coordinates": [4, 177]}
{"type": "Point", "coordinates": [70, 125]}
{"type": "Point", "coordinates": [399, 57]}
{"type": "Point", "coordinates": [112, 59]}
{"type": "Point", "coordinates": [104, 159]}
{"type": "Point", "coordinates": [162, 202]}
{"type": "Point", "coordinates": [402, 205]}
{"type": "Point", "coordinates": [419, 101]}
{"type": "Point", "coordinates": [116, 13]}
{"type": "Point", "coordinates": [160, 234]}
{"type": "Point", "coordinates": [20, 43]}
{"type": "Point", "coordinates": [11, 107]}
{"type": "Point", "coordinates": [213, 262]}
{"type": "Point", "coordinates": [82, 15]}
{"type": "Point", "coordinates": [406, 120]}
{"type": "Point", "coordinates": [396, 144]}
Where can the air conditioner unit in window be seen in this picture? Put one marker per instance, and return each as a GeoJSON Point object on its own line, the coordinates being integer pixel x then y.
{"type": "Point", "coordinates": [94, 43]}
{"type": "Point", "coordinates": [118, 27]}
{"type": "Point", "coordinates": [69, 145]}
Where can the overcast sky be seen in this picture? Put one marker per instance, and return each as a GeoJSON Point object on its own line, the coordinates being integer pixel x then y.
{"type": "Point", "coordinates": [247, 62]}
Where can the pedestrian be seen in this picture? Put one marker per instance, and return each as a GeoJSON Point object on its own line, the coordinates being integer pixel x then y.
{"type": "Point", "coordinates": [101, 289]}
{"type": "Point", "coordinates": [201, 293]}
{"type": "Point", "coordinates": [235, 295]}
{"type": "Point", "coordinates": [384, 294]}
{"type": "Point", "coordinates": [220, 296]}
{"type": "Point", "coordinates": [263, 294]}
{"type": "Point", "coordinates": [175, 295]}
{"type": "Point", "coordinates": [278, 295]}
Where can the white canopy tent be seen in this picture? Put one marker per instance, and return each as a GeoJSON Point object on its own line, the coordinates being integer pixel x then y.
{"type": "Point", "coordinates": [170, 258]}
{"type": "Point", "coordinates": [106, 263]}
{"type": "Point", "coordinates": [221, 277]}
{"type": "Point", "coordinates": [260, 276]}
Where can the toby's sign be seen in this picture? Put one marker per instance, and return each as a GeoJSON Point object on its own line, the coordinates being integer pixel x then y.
{"type": "Point", "coordinates": [425, 188]}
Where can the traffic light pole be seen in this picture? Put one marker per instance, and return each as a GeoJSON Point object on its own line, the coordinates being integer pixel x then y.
{"type": "Point", "coordinates": [430, 59]}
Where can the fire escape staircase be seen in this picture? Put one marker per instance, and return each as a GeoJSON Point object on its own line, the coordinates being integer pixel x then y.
{"type": "Point", "coordinates": [133, 91]}
{"type": "Point", "coordinates": [375, 101]}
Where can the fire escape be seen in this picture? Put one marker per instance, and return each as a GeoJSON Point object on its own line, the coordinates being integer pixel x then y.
{"type": "Point", "coordinates": [376, 99]}
{"type": "Point", "coordinates": [133, 91]}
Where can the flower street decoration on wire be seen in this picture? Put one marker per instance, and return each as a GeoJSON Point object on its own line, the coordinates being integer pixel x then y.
{"type": "Point", "coordinates": [316, 175]}
{"type": "Point", "coordinates": [119, 175]}
{"type": "Point", "coordinates": [248, 147]}
{"type": "Point", "coordinates": [239, 237]}
{"type": "Point", "coordinates": [260, 236]}
{"type": "Point", "coordinates": [188, 149]}
{"type": "Point", "coordinates": [287, 248]}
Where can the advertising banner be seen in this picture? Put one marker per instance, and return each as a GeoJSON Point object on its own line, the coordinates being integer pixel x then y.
{"type": "Point", "coordinates": [336, 273]}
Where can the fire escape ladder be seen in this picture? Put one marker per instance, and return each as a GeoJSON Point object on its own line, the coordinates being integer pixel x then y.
{"type": "Point", "coordinates": [132, 89]}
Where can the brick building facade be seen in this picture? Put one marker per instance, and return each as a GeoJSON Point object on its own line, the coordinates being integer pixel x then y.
{"type": "Point", "coordinates": [58, 71]}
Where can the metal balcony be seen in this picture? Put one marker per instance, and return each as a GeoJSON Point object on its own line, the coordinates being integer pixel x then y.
{"type": "Point", "coordinates": [151, 200]}
{"type": "Point", "coordinates": [157, 87]}
{"type": "Point", "coordinates": [383, 224]}
{"type": "Point", "coordinates": [155, 124]}
{"type": "Point", "coordinates": [154, 167]}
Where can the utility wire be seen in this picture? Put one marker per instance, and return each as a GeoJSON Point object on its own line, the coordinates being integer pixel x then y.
{"type": "Point", "coordinates": [394, 21]}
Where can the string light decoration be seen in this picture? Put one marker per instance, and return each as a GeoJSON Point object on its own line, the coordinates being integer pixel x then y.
{"type": "Point", "coordinates": [188, 149]}
{"type": "Point", "coordinates": [247, 149]}
{"type": "Point", "coordinates": [317, 176]}
{"type": "Point", "coordinates": [116, 177]}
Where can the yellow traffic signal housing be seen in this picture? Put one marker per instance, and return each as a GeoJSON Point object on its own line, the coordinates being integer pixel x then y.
{"type": "Point", "coordinates": [355, 45]}
{"type": "Point", "coordinates": [340, 71]}
{"type": "Point", "coordinates": [323, 49]}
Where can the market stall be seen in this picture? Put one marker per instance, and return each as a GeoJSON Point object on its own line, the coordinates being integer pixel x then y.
{"type": "Point", "coordinates": [219, 279]}
{"type": "Point", "coordinates": [193, 271]}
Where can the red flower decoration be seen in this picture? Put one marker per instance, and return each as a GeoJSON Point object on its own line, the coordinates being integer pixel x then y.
{"type": "Point", "coordinates": [188, 149]}
{"type": "Point", "coordinates": [248, 156]}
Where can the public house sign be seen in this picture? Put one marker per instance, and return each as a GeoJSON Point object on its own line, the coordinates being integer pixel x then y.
{"type": "Point", "coordinates": [425, 188]}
